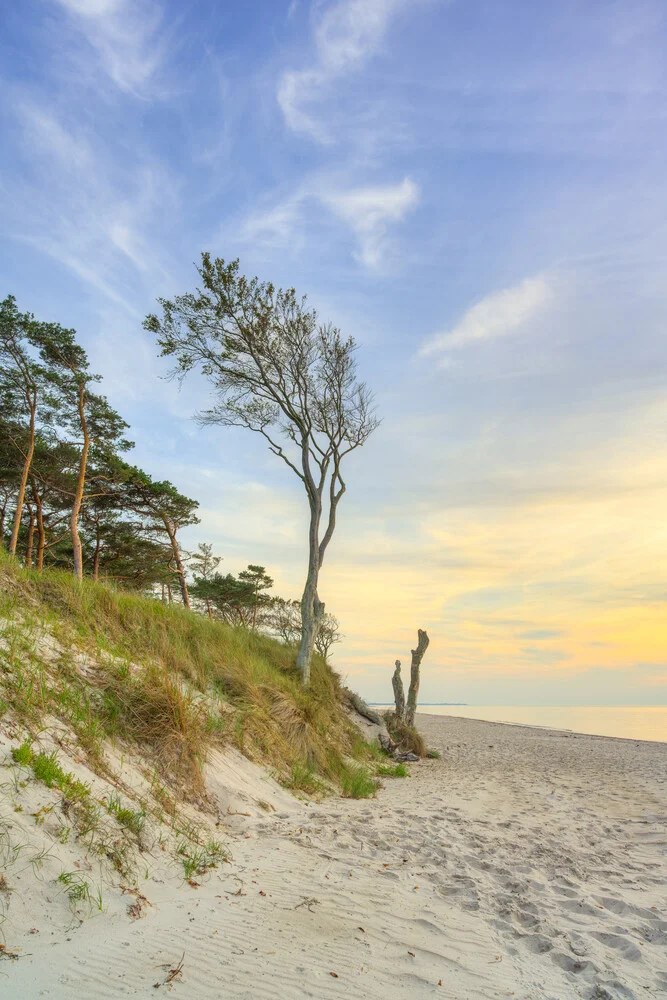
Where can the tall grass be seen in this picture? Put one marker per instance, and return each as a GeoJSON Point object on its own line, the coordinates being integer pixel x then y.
{"type": "Point", "coordinates": [166, 679]}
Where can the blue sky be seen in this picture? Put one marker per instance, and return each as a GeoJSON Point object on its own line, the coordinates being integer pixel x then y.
{"type": "Point", "coordinates": [476, 191]}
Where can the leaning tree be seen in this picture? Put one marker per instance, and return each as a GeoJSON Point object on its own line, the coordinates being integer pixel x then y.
{"type": "Point", "coordinates": [276, 370]}
{"type": "Point", "coordinates": [161, 507]}
{"type": "Point", "coordinates": [85, 414]}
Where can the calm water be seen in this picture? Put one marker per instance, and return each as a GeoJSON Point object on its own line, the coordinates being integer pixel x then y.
{"type": "Point", "coordinates": [637, 723]}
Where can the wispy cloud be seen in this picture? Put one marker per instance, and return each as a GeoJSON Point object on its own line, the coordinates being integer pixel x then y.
{"type": "Point", "coordinates": [369, 211]}
{"type": "Point", "coordinates": [124, 35]}
{"type": "Point", "coordinates": [498, 315]}
{"type": "Point", "coordinates": [346, 36]}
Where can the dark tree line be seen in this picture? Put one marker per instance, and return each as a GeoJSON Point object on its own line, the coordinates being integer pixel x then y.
{"type": "Point", "coordinates": [67, 496]}
{"type": "Point", "coordinates": [70, 499]}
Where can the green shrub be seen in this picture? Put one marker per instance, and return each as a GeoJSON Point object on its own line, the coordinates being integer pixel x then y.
{"type": "Point", "coordinates": [23, 755]}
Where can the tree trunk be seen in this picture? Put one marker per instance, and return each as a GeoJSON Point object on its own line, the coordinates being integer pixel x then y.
{"type": "Point", "coordinates": [163, 595]}
{"type": "Point", "coordinates": [180, 569]}
{"type": "Point", "coordinates": [417, 656]}
{"type": "Point", "coordinates": [31, 535]}
{"type": "Point", "coordinates": [80, 486]}
{"type": "Point", "coordinates": [24, 480]}
{"type": "Point", "coordinates": [312, 611]}
{"type": "Point", "coordinates": [98, 552]}
{"type": "Point", "coordinates": [41, 532]}
{"type": "Point", "coordinates": [169, 595]}
{"type": "Point", "coordinates": [399, 693]}
{"type": "Point", "coordinates": [312, 608]}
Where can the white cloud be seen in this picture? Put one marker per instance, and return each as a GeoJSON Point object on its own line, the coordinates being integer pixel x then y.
{"type": "Point", "coordinates": [369, 211]}
{"type": "Point", "coordinates": [277, 225]}
{"type": "Point", "coordinates": [348, 34]}
{"type": "Point", "coordinates": [124, 35]}
{"type": "Point", "coordinates": [498, 315]}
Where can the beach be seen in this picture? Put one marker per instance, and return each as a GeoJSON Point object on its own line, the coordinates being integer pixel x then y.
{"type": "Point", "coordinates": [524, 863]}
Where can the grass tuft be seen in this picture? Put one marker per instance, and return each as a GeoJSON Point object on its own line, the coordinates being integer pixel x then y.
{"type": "Point", "coordinates": [77, 890]}
{"type": "Point", "coordinates": [131, 819]}
{"type": "Point", "coordinates": [198, 859]}
{"type": "Point", "coordinates": [407, 738]}
{"type": "Point", "coordinates": [393, 770]}
{"type": "Point", "coordinates": [357, 783]}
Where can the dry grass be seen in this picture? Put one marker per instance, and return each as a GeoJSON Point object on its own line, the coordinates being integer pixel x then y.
{"type": "Point", "coordinates": [407, 738]}
{"type": "Point", "coordinates": [166, 679]}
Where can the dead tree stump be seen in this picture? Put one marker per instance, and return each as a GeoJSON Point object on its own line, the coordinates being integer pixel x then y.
{"type": "Point", "coordinates": [399, 693]}
{"type": "Point", "coordinates": [413, 691]}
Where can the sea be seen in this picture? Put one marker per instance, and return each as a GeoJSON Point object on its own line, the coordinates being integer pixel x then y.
{"type": "Point", "coordinates": [641, 722]}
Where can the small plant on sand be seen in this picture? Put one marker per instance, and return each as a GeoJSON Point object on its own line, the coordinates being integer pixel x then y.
{"type": "Point", "coordinates": [357, 783]}
{"type": "Point", "coordinates": [392, 770]}
{"type": "Point", "coordinates": [23, 755]}
{"type": "Point", "coordinates": [198, 860]}
{"type": "Point", "coordinates": [77, 890]}
{"type": "Point", "coordinates": [132, 820]}
{"type": "Point", "coordinates": [46, 768]}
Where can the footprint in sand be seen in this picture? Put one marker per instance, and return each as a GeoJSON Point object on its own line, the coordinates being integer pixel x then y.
{"type": "Point", "coordinates": [624, 945]}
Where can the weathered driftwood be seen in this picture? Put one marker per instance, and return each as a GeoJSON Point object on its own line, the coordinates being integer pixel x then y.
{"type": "Point", "coordinates": [360, 706]}
{"type": "Point", "coordinates": [407, 756]}
{"type": "Point", "coordinates": [417, 657]}
{"type": "Point", "coordinates": [399, 693]}
{"type": "Point", "coordinates": [386, 742]}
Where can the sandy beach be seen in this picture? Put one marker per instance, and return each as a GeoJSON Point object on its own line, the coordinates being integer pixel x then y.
{"type": "Point", "coordinates": [525, 862]}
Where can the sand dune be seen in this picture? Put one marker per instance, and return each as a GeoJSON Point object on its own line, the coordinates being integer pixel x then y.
{"type": "Point", "coordinates": [525, 863]}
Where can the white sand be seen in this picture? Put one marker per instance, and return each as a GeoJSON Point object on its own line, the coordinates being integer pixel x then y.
{"type": "Point", "coordinates": [525, 863]}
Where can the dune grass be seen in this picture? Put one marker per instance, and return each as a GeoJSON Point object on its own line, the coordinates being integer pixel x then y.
{"type": "Point", "coordinates": [116, 665]}
{"type": "Point", "coordinates": [392, 770]}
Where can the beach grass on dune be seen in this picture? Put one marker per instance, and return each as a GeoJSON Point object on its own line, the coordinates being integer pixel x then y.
{"type": "Point", "coordinates": [116, 665]}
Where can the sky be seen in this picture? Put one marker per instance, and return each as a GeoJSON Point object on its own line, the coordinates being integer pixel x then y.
{"type": "Point", "coordinates": [476, 190]}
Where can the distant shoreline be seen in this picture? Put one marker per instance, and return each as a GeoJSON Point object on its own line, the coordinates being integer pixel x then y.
{"type": "Point", "coordinates": [631, 722]}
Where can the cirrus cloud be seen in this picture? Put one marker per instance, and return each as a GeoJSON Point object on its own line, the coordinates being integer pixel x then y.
{"type": "Point", "coordinates": [345, 37]}
{"type": "Point", "coordinates": [497, 315]}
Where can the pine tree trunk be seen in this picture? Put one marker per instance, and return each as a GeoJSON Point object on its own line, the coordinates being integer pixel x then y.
{"type": "Point", "coordinates": [24, 480]}
{"type": "Point", "coordinates": [96, 557]}
{"type": "Point", "coordinates": [180, 569]}
{"type": "Point", "coordinates": [80, 486]}
{"type": "Point", "coordinates": [41, 532]}
{"type": "Point", "coordinates": [31, 535]}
